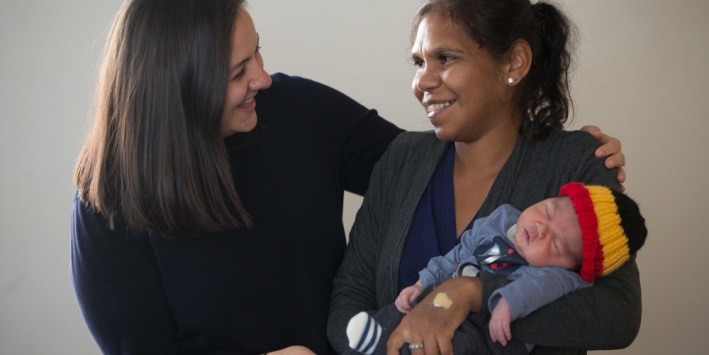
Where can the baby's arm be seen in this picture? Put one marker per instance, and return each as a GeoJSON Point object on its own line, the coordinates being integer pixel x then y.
{"type": "Point", "coordinates": [500, 320]}
{"type": "Point", "coordinates": [408, 295]}
{"type": "Point", "coordinates": [534, 289]}
{"type": "Point", "coordinates": [441, 268]}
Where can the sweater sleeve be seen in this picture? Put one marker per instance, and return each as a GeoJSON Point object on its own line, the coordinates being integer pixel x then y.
{"type": "Point", "coordinates": [535, 288]}
{"type": "Point", "coordinates": [441, 268]}
{"type": "Point", "coordinates": [359, 135]}
{"type": "Point", "coordinates": [118, 288]}
{"type": "Point", "coordinates": [605, 316]}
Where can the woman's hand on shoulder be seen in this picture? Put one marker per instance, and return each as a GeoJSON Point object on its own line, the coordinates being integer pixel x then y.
{"type": "Point", "coordinates": [611, 150]}
{"type": "Point", "coordinates": [293, 350]}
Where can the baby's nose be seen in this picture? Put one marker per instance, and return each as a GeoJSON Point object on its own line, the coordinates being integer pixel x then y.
{"type": "Point", "coordinates": [542, 230]}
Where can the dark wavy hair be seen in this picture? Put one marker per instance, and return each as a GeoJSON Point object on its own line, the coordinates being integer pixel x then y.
{"type": "Point", "coordinates": [543, 94]}
{"type": "Point", "coordinates": [154, 159]}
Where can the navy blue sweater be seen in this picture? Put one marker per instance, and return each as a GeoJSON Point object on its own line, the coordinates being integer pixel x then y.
{"type": "Point", "coordinates": [240, 291]}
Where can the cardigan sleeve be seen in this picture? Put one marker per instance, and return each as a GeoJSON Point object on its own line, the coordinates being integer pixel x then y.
{"type": "Point", "coordinates": [354, 286]}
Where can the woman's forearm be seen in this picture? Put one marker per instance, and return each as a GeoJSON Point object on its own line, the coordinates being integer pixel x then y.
{"type": "Point", "coordinates": [464, 291]}
{"type": "Point", "coordinates": [435, 318]}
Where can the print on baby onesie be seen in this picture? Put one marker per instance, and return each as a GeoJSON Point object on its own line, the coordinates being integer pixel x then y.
{"type": "Point", "coordinates": [499, 256]}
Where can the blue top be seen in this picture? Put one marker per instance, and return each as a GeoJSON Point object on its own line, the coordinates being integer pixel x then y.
{"type": "Point", "coordinates": [432, 232]}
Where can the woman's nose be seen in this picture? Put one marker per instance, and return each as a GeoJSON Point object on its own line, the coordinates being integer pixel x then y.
{"type": "Point", "coordinates": [261, 81]}
{"type": "Point", "coordinates": [427, 80]}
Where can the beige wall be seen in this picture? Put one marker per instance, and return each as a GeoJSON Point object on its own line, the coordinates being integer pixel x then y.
{"type": "Point", "coordinates": [641, 77]}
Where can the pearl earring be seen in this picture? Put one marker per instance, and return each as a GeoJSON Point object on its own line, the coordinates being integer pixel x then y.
{"type": "Point", "coordinates": [511, 81]}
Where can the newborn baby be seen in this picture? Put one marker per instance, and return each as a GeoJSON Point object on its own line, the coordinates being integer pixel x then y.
{"type": "Point", "coordinates": [554, 247]}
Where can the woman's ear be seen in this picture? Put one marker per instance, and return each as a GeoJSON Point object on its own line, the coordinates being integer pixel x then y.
{"type": "Point", "coordinates": [520, 59]}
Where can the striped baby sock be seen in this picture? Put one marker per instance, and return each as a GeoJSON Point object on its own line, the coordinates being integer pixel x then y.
{"type": "Point", "coordinates": [364, 333]}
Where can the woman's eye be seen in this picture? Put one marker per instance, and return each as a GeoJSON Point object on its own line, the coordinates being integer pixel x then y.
{"type": "Point", "coordinates": [238, 76]}
{"type": "Point", "coordinates": [258, 48]}
{"type": "Point", "coordinates": [419, 63]}
{"type": "Point", "coordinates": [446, 59]}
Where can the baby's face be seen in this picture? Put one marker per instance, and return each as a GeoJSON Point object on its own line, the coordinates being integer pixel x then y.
{"type": "Point", "coordinates": [549, 234]}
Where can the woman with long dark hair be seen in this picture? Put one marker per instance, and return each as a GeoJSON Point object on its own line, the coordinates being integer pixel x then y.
{"type": "Point", "coordinates": [493, 78]}
{"type": "Point", "coordinates": [208, 217]}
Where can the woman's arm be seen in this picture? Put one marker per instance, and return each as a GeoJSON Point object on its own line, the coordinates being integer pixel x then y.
{"type": "Point", "coordinates": [360, 136]}
{"type": "Point", "coordinates": [354, 288]}
{"type": "Point", "coordinates": [119, 288]}
{"type": "Point", "coordinates": [434, 320]}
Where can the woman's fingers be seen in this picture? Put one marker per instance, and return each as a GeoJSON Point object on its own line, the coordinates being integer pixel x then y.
{"type": "Point", "coordinates": [611, 149]}
{"type": "Point", "coordinates": [621, 178]}
{"type": "Point", "coordinates": [610, 145]}
{"type": "Point", "coordinates": [294, 350]}
{"type": "Point", "coordinates": [396, 341]}
{"type": "Point", "coordinates": [445, 347]}
{"type": "Point", "coordinates": [430, 345]}
{"type": "Point", "coordinates": [616, 160]}
{"type": "Point", "coordinates": [621, 175]}
{"type": "Point", "coordinates": [595, 132]}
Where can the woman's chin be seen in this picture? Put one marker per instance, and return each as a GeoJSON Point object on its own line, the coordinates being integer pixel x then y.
{"type": "Point", "coordinates": [445, 135]}
{"type": "Point", "coordinates": [240, 125]}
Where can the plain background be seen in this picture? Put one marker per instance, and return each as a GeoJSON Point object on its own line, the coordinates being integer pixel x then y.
{"type": "Point", "coordinates": [642, 76]}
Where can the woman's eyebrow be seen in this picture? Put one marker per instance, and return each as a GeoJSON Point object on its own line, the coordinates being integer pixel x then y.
{"type": "Point", "coordinates": [440, 50]}
{"type": "Point", "coordinates": [437, 51]}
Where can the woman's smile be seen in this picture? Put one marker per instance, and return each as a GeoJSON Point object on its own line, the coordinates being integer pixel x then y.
{"type": "Point", "coordinates": [247, 105]}
{"type": "Point", "coordinates": [434, 108]}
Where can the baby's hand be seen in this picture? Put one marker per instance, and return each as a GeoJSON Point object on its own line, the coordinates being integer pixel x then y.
{"type": "Point", "coordinates": [408, 295]}
{"type": "Point", "coordinates": [500, 322]}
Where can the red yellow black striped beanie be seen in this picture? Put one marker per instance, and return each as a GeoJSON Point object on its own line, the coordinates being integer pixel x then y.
{"type": "Point", "coordinates": [611, 225]}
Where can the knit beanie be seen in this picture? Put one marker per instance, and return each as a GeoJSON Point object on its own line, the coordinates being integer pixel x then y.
{"type": "Point", "coordinates": [611, 225]}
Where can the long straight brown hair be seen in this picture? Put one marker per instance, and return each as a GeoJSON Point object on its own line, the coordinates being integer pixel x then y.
{"type": "Point", "coordinates": [154, 160]}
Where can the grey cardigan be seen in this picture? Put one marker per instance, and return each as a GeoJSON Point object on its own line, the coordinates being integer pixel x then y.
{"type": "Point", "coordinates": [605, 316]}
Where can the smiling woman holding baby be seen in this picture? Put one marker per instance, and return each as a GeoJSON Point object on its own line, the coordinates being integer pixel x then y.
{"type": "Point", "coordinates": [493, 78]}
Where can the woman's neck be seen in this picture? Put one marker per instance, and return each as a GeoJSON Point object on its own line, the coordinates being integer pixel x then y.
{"type": "Point", "coordinates": [488, 153]}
